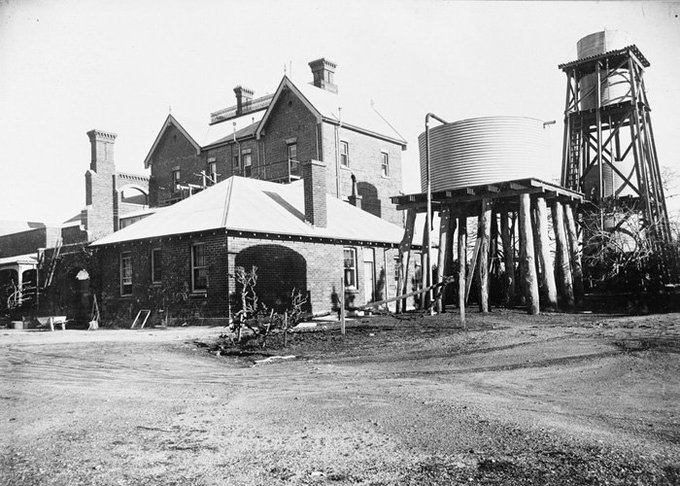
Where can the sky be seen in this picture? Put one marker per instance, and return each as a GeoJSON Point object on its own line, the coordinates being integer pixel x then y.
{"type": "Point", "coordinates": [69, 66]}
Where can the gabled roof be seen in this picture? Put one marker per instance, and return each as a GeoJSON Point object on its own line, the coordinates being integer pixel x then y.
{"type": "Point", "coordinates": [170, 120]}
{"type": "Point", "coordinates": [334, 108]}
{"type": "Point", "coordinates": [241, 204]}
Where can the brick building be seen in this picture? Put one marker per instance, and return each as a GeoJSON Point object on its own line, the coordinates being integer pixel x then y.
{"type": "Point", "coordinates": [266, 137]}
{"type": "Point", "coordinates": [298, 236]}
{"type": "Point", "coordinates": [301, 234]}
{"type": "Point", "coordinates": [112, 199]}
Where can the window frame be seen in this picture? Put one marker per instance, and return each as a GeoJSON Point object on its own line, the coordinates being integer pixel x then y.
{"type": "Point", "coordinates": [247, 164]}
{"type": "Point", "coordinates": [385, 164]}
{"type": "Point", "coordinates": [156, 266]}
{"type": "Point", "coordinates": [195, 268]}
{"type": "Point", "coordinates": [125, 279]}
{"type": "Point", "coordinates": [289, 146]}
{"type": "Point", "coordinates": [212, 169]}
{"type": "Point", "coordinates": [344, 152]}
{"type": "Point", "coordinates": [176, 176]}
{"type": "Point", "coordinates": [352, 269]}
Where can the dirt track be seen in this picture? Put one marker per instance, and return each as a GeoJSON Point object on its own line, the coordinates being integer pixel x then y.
{"type": "Point", "coordinates": [516, 400]}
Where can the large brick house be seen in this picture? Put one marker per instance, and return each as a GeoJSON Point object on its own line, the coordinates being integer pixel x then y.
{"type": "Point", "coordinates": [246, 207]}
{"type": "Point", "coordinates": [266, 137]}
{"type": "Point", "coordinates": [297, 235]}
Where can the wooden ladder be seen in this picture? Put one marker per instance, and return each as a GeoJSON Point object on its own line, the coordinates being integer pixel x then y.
{"type": "Point", "coordinates": [53, 263]}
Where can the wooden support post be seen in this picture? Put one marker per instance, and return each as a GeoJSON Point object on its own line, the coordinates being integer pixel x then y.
{"type": "Point", "coordinates": [445, 222]}
{"type": "Point", "coordinates": [425, 271]}
{"type": "Point", "coordinates": [526, 243]}
{"type": "Point", "coordinates": [404, 257]}
{"type": "Point", "coordinates": [483, 265]}
{"type": "Point", "coordinates": [508, 258]}
{"type": "Point", "coordinates": [462, 264]}
{"type": "Point", "coordinates": [544, 256]}
{"type": "Point", "coordinates": [565, 286]}
{"type": "Point", "coordinates": [575, 252]}
{"type": "Point", "coordinates": [448, 292]}
{"type": "Point", "coordinates": [342, 305]}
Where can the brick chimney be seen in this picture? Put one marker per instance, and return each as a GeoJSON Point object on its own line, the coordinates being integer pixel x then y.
{"type": "Point", "coordinates": [243, 98]}
{"type": "Point", "coordinates": [98, 218]}
{"type": "Point", "coordinates": [323, 72]}
{"type": "Point", "coordinates": [314, 180]}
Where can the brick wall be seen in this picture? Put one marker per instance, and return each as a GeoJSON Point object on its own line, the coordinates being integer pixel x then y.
{"type": "Point", "coordinates": [314, 268]}
{"type": "Point", "coordinates": [27, 241]}
{"type": "Point", "coordinates": [173, 150]}
{"type": "Point", "coordinates": [176, 276]}
{"type": "Point", "coordinates": [290, 118]}
{"type": "Point", "coordinates": [365, 162]}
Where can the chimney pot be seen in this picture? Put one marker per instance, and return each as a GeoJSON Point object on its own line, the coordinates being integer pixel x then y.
{"type": "Point", "coordinates": [243, 97]}
{"type": "Point", "coordinates": [323, 72]}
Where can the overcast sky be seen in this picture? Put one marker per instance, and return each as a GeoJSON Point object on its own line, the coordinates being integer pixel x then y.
{"type": "Point", "coordinates": [68, 66]}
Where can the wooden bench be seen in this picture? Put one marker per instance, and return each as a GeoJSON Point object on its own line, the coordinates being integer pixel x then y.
{"type": "Point", "coordinates": [51, 321]}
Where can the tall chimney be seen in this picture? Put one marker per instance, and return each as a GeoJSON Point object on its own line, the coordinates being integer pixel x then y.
{"type": "Point", "coordinates": [243, 98]}
{"type": "Point", "coordinates": [99, 218]}
{"type": "Point", "coordinates": [323, 72]}
{"type": "Point", "coordinates": [314, 180]}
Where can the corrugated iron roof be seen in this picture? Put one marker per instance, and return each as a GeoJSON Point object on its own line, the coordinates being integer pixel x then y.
{"type": "Point", "coordinates": [251, 205]}
{"type": "Point", "coordinates": [224, 132]}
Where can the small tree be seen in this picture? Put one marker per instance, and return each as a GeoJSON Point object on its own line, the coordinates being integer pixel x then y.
{"type": "Point", "coordinates": [251, 308]}
{"type": "Point", "coordinates": [294, 315]}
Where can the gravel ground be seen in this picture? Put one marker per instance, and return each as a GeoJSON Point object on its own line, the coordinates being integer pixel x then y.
{"type": "Point", "coordinates": [551, 399]}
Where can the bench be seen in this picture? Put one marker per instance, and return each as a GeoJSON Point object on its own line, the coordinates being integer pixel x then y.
{"type": "Point", "coordinates": [51, 321]}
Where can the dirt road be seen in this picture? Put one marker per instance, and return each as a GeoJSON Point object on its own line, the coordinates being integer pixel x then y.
{"type": "Point", "coordinates": [515, 400]}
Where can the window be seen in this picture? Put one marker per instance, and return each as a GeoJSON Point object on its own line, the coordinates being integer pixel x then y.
{"type": "Point", "coordinates": [292, 151]}
{"type": "Point", "coordinates": [350, 256]}
{"type": "Point", "coordinates": [126, 273]}
{"type": "Point", "coordinates": [156, 266]}
{"type": "Point", "coordinates": [344, 154]}
{"type": "Point", "coordinates": [385, 164]}
{"type": "Point", "coordinates": [199, 268]}
{"type": "Point", "coordinates": [237, 162]}
{"type": "Point", "coordinates": [176, 176]}
{"type": "Point", "coordinates": [212, 171]}
{"type": "Point", "coordinates": [247, 165]}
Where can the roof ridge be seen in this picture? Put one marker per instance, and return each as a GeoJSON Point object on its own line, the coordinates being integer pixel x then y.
{"type": "Point", "coordinates": [227, 202]}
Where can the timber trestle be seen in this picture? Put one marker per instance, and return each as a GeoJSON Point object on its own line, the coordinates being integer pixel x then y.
{"type": "Point", "coordinates": [513, 239]}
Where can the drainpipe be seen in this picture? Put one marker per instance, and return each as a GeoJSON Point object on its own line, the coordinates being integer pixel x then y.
{"type": "Point", "coordinates": [238, 147]}
{"type": "Point", "coordinates": [427, 271]}
{"type": "Point", "coordinates": [337, 153]}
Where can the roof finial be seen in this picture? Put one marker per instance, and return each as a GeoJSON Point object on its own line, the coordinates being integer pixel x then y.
{"type": "Point", "coordinates": [169, 108]}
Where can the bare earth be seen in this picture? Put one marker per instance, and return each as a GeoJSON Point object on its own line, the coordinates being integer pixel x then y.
{"type": "Point", "coordinates": [550, 399]}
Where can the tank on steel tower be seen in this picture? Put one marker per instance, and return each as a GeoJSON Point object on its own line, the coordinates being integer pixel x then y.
{"type": "Point", "coordinates": [609, 153]}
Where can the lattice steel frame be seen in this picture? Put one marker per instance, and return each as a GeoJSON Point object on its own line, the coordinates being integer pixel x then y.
{"type": "Point", "coordinates": [599, 134]}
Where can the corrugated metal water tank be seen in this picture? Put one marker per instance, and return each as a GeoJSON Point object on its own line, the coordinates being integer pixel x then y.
{"type": "Point", "coordinates": [615, 88]}
{"type": "Point", "coordinates": [484, 151]}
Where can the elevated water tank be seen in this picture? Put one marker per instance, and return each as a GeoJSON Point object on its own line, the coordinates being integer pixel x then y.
{"type": "Point", "coordinates": [485, 150]}
{"type": "Point", "coordinates": [616, 87]}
